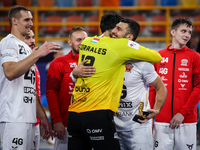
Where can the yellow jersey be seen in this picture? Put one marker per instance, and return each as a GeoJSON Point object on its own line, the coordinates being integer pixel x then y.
{"type": "Point", "coordinates": [103, 90]}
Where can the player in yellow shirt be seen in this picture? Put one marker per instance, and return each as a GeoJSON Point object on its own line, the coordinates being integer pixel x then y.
{"type": "Point", "coordinates": [95, 99]}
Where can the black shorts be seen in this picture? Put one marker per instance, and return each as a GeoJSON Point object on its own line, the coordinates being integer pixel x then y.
{"type": "Point", "coordinates": [94, 129]}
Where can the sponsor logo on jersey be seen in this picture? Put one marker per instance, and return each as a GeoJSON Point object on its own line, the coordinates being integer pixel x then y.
{"type": "Point", "coordinates": [83, 88]}
{"type": "Point", "coordinates": [94, 130]}
{"type": "Point", "coordinates": [129, 67]}
{"type": "Point", "coordinates": [97, 138]}
{"type": "Point", "coordinates": [73, 65]}
{"type": "Point", "coordinates": [125, 105]}
{"type": "Point", "coordinates": [163, 70]}
{"type": "Point", "coordinates": [28, 100]}
{"type": "Point", "coordinates": [182, 87]}
{"type": "Point", "coordinates": [95, 40]}
{"type": "Point", "coordinates": [71, 88]}
{"type": "Point", "coordinates": [181, 80]}
{"type": "Point", "coordinates": [17, 141]}
{"type": "Point", "coordinates": [190, 146]}
{"type": "Point", "coordinates": [183, 69]}
{"type": "Point", "coordinates": [162, 65]}
{"type": "Point", "coordinates": [133, 45]}
{"type": "Point", "coordinates": [14, 147]}
{"type": "Point", "coordinates": [125, 114]}
{"type": "Point", "coordinates": [183, 75]}
{"type": "Point", "coordinates": [30, 90]}
{"type": "Point", "coordinates": [165, 59]}
{"type": "Point", "coordinates": [7, 54]}
{"type": "Point", "coordinates": [80, 100]}
{"type": "Point", "coordinates": [184, 62]}
{"type": "Point", "coordinates": [163, 78]}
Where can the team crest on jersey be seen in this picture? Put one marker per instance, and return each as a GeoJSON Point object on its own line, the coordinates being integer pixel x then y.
{"type": "Point", "coordinates": [184, 62]}
{"type": "Point", "coordinates": [95, 40]}
{"type": "Point", "coordinates": [129, 67]}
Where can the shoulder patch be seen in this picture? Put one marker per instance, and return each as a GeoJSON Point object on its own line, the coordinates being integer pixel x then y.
{"type": "Point", "coordinates": [133, 45]}
{"type": "Point", "coordinates": [95, 40]}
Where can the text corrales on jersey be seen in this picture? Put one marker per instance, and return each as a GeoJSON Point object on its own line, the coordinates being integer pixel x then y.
{"type": "Point", "coordinates": [92, 49]}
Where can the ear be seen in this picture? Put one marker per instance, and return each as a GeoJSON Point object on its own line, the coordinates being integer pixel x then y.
{"type": "Point", "coordinates": [14, 20]}
{"type": "Point", "coordinates": [130, 37]}
{"type": "Point", "coordinates": [69, 42]}
{"type": "Point", "coordinates": [172, 32]}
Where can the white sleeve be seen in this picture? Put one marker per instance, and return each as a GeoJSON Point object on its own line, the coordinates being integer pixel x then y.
{"type": "Point", "coordinates": [72, 77]}
{"type": "Point", "coordinates": [9, 52]}
{"type": "Point", "coordinates": [149, 73]}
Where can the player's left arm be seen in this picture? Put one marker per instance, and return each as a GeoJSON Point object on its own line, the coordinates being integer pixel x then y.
{"type": "Point", "coordinates": [161, 95]}
{"type": "Point", "coordinates": [45, 124]}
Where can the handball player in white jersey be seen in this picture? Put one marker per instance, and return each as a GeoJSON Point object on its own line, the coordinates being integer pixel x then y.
{"type": "Point", "coordinates": [30, 41]}
{"type": "Point", "coordinates": [133, 135]}
{"type": "Point", "coordinates": [18, 105]}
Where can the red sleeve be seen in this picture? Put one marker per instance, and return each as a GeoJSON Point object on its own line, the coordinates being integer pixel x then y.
{"type": "Point", "coordinates": [54, 77]}
{"type": "Point", "coordinates": [37, 76]}
{"type": "Point", "coordinates": [194, 97]}
{"type": "Point", "coordinates": [152, 94]}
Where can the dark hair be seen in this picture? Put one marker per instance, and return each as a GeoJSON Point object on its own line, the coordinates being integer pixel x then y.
{"type": "Point", "coordinates": [109, 21]}
{"type": "Point", "coordinates": [15, 12]}
{"type": "Point", "coordinates": [133, 28]}
{"type": "Point", "coordinates": [74, 29]}
{"type": "Point", "coordinates": [180, 21]}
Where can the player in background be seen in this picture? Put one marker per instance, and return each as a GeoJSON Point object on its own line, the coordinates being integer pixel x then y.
{"type": "Point", "coordinates": [60, 87]}
{"type": "Point", "coordinates": [19, 105]}
{"type": "Point", "coordinates": [175, 125]}
{"type": "Point", "coordinates": [30, 41]}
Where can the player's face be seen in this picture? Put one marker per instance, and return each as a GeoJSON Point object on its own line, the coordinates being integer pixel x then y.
{"type": "Point", "coordinates": [182, 35]}
{"type": "Point", "coordinates": [120, 30]}
{"type": "Point", "coordinates": [76, 40]}
{"type": "Point", "coordinates": [25, 23]}
{"type": "Point", "coordinates": [30, 40]}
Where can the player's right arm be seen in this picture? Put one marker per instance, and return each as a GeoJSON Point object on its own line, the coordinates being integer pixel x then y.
{"type": "Point", "coordinates": [161, 93]}
{"type": "Point", "coordinates": [15, 69]}
{"type": "Point", "coordinates": [132, 50]}
{"type": "Point", "coordinates": [53, 83]}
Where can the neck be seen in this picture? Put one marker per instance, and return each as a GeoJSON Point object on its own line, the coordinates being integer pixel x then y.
{"type": "Point", "coordinates": [17, 34]}
{"type": "Point", "coordinates": [73, 52]}
{"type": "Point", "coordinates": [176, 45]}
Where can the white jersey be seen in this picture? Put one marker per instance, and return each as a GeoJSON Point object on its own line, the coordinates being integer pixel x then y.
{"type": "Point", "coordinates": [137, 75]}
{"type": "Point", "coordinates": [17, 97]}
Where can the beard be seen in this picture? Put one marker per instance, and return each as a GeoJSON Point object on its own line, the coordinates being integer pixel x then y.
{"type": "Point", "coordinates": [76, 51]}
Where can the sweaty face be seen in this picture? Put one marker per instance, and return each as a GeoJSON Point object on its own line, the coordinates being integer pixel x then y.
{"type": "Point", "coordinates": [76, 40]}
{"type": "Point", "coordinates": [182, 35]}
{"type": "Point", "coordinates": [25, 23]}
{"type": "Point", "coordinates": [120, 30]}
{"type": "Point", "coordinates": [30, 40]}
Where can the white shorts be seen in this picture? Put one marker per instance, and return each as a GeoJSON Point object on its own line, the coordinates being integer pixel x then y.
{"type": "Point", "coordinates": [18, 136]}
{"type": "Point", "coordinates": [138, 138]}
{"type": "Point", "coordinates": [61, 144]}
{"type": "Point", "coordinates": [37, 137]}
{"type": "Point", "coordinates": [183, 138]}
